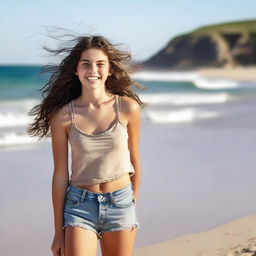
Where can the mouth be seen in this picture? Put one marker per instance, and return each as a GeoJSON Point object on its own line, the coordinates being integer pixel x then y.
{"type": "Point", "coordinates": [92, 78]}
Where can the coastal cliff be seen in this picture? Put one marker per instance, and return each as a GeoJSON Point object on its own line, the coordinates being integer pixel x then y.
{"type": "Point", "coordinates": [223, 45]}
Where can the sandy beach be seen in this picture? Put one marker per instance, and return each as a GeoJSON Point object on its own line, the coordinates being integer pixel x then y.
{"type": "Point", "coordinates": [235, 238]}
{"type": "Point", "coordinates": [238, 73]}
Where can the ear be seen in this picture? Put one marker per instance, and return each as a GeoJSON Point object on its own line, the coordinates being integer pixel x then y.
{"type": "Point", "coordinates": [110, 72]}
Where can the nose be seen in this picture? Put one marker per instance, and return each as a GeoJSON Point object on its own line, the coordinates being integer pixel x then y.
{"type": "Point", "coordinates": [93, 68]}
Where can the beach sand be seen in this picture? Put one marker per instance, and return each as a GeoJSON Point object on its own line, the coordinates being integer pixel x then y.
{"type": "Point", "coordinates": [235, 238]}
{"type": "Point", "coordinates": [238, 73]}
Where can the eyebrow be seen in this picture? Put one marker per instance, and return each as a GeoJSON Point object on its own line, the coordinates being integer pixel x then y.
{"type": "Point", "coordinates": [96, 61]}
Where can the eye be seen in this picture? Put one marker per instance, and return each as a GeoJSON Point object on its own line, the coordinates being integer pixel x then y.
{"type": "Point", "coordinates": [101, 65]}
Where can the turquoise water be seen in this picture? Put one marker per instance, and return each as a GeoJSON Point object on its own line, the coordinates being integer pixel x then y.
{"type": "Point", "coordinates": [18, 82]}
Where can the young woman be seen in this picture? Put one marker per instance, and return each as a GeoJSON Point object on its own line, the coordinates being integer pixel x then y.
{"type": "Point", "coordinates": [89, 104]}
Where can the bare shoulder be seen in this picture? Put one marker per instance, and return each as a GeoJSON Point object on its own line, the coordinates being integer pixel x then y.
{"type": "Point", "coordinates": [130, 111]}
{"type": "Point", "coordinates": [129, 105]}
{"type": "Point", "coordinates": [61, 118]}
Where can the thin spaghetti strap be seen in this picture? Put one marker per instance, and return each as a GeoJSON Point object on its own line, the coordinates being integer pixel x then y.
{"type": "Point", "coordinates": [71, 108]}
{"type": "Point", "coordinates": [118, 104]}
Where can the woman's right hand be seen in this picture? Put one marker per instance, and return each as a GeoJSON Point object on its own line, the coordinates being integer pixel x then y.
{"type": "Point", "coordinates": [58, 244]}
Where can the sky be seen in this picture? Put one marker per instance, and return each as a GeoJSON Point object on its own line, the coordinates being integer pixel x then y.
{"type": "Point", "coordinates": [143, 27]}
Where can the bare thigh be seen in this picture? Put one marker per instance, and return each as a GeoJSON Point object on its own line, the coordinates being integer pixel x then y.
{"type": "Point", "coordinates": [118, 243]}
{"type": "Point", "coordinates": [80, 242]}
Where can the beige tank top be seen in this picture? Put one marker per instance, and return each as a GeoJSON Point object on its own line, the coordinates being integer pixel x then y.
{"type": "Point", "coordinates": [101, 157]}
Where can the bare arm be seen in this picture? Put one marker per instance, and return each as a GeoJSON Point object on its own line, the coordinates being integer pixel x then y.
{"type": "Point", "coordinates": [133, 142]}
{"type": "Point", "coordinates": [60, 176]}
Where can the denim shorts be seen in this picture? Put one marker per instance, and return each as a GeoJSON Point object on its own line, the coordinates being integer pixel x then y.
{"type": "Point", "coordinates": [100, 212]}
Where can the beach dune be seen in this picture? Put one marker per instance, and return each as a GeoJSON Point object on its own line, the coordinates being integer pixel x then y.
{"type": "Point", "coordinates": [234, 238]}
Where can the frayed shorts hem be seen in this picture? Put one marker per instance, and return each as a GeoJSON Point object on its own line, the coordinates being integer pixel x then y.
{"type": "Point", "coordinates": [83, 226]}
{"type": "Point", "coordinates": [122, 228]}
{"type": "Point", "coordinates": [103, 231]}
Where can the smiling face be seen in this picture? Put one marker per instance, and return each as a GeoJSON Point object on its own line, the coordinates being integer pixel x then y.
{"type": "Point", "coordinates": [93, 68]}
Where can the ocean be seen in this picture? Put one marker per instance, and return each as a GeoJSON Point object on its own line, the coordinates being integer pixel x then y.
{"type": "Point", "coordinates": [174, 98]}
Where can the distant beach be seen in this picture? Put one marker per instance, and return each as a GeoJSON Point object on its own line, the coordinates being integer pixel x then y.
{"type": "Point", "coordinates": [238, 74]}
{"type": "Point", "coordinates": [198, 164]}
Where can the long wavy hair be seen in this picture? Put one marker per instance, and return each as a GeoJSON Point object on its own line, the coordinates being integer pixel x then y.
{"type": "Point", "coordinates": [63, 85]}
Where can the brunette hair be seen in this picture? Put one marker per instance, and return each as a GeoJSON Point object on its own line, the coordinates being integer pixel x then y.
{"type": "Point", "coordinates": [63, 85]}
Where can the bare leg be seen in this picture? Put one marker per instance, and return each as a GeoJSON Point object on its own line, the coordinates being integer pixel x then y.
{"type": "Point", "coordinates": [80, 242]}
{"type": "Point", "coordinates": [118, 243]}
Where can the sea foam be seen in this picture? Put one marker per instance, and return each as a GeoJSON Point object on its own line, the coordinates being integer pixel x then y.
{"type": "Point", "coordinates": [12, 138]}
{"type": "Point", "coordinates": [184, 115]}
{"type": "Point", "coordinates": [180, 98]}
{"type": "Point", "coordinates": [194, 77]}
{"type": "Point", "coordinates": [165, 76]}
{"type": "Point", "coordinates": [10, 119]}
{"type": "Point", "coordinates": [14, 113]}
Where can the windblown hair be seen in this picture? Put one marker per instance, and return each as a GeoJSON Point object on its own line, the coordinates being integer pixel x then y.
{"type": "Point", "coordinates": [63, 85]}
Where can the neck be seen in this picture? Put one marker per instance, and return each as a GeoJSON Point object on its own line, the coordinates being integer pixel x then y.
{"type": "Point", "coordinates": [93, 99]}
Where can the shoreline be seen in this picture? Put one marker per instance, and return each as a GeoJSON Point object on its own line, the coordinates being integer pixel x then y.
{"type": "Point", "coordinates": [238, 74]}
{"type": "Point", "coordinates": [238, 235]}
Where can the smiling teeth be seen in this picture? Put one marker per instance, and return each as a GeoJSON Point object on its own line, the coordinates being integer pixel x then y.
{"type": "Point", "coordinates": [92, 78]}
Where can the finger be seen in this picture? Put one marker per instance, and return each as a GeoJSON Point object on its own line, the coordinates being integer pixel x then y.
{"type": "Point", "coordinates": [62, 250]}
{"type": "Point", "coordinates": [56, 252]}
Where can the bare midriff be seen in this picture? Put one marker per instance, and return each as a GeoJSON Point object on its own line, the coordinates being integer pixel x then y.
{"type": "Point", "coordinates": [110, 186]}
